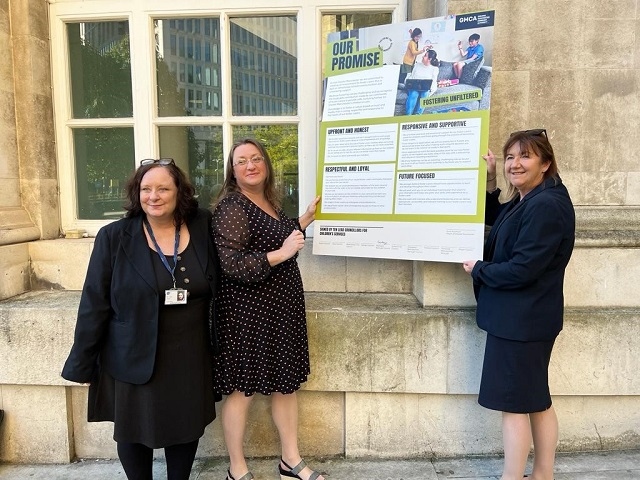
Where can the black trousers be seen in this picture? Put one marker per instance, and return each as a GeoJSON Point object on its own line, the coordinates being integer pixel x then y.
{"type": "Point", "coordinates": [137, 460]}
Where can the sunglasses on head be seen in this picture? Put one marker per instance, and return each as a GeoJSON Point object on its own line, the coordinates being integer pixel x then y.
{"type": "Point", "coordinates": [536, 132]}
{"type": "Point", "coordinates": [159, 161]}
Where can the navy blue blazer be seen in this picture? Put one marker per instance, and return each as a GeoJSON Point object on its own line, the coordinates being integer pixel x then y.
{"type": "Point", "coordinates": [519, 285]}
{"type": "Point", "coordinates": [117, 323]}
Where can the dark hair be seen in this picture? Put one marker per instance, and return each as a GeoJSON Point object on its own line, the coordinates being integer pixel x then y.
{"type": "Point", "coordinates": [535, 141]}
{"type": "Point", "coordinates": [474, 36]}
{"type": "Point", "coordinates": [415, 32]}
{"type": "Point", "coordinates": [186, 203]}
{"type": "Point", "coordinates": [433, 58]}
{"type": "Point", "coordinates": [230, 184]}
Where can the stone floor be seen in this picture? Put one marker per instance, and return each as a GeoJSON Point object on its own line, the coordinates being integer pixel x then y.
{"type": "Point", "coordinates": [616, 465]}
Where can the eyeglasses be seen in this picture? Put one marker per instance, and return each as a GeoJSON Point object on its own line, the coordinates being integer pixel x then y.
{"type": "Point", "coordinates": [257, 160]}
{"type": "Point", "coordinates": [536, 132]}
{"type": "Point", "coordinates": [159, 161]}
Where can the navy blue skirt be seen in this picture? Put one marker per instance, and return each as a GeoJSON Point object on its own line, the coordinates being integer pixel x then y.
{"type": "Point", "coordinates": [515, 375]}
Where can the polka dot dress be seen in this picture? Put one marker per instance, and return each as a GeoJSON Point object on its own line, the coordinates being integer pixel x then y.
{"type": "Point", "coordinates": [261, 314]}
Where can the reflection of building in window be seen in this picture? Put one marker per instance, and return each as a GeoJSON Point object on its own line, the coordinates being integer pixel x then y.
{"type": "Point", "coordinates": [263, 57]}
{"type": "Point", "coordinates": [263, 82]}
{"type": "Point", "coordinates": [264, 60]}
{"type": "Point", "coordinates": [264, 53]}
{"type": "Point", "coordinates": [103, 36]}
{"type": "Point", "coordinates": [190, 48]}
{"type": "Point", "coordinates": [100, 74]}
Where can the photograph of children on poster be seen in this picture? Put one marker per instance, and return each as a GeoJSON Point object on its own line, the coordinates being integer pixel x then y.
{"type": "Point", "coordinates": [405, 123]}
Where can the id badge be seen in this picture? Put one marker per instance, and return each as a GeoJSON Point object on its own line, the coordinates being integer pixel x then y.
{"type": "Point", "coordinates": [175, 296]}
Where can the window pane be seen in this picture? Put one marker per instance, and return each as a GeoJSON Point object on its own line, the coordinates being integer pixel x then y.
{"type": "Point", "coordinates": [104, 162]}
{"type": "Point", "coordinates": [100, 67]}
{"type": "Point", "coordinates": [192, 40]}
{"type": "Point", "coordinates": [259, 46]}
{"type": "Point", "coordinates": [281, 141]}
{"type": "Point", "coordinates": [198, 152]}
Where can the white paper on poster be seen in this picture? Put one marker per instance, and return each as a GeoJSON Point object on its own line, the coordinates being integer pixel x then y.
{"type": "Point", "coordinates": [365, 94]}
{"type": "Point", "coordinates": [361, 143]}
{"type": "Point", "coordinates": [400, 240]}
{"type": "Point", "coordinates": [437, 192]}
{"type": "Point", "coordinates": [440, 144]}
{"type": "Point", "coordinates": [374, 192]}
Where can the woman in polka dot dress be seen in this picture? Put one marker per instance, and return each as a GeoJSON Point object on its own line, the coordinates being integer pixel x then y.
{"type": "Point", "coordinates": [261, 322]}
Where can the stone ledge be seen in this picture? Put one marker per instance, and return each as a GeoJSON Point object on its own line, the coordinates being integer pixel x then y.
{"type": "Point", "coordinates": [16, 226]}
{"type": "Point", "coordinates": [391, 344]}
{"type": "Point", "coordinates": [362, 302]}
{"type": "Point", "coordinates": [383, 343]}
{"type": "Point", "coordinates": [607, 226]}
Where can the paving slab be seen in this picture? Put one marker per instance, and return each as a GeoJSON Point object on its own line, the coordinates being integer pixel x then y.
{"type": "Point", "coordinates": [614, 465]}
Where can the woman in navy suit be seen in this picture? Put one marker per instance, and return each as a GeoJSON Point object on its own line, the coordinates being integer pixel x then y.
{"type": "Point", "coordinates": [145, 330]}
{"type": "Point", "coordinates": [519, 290]}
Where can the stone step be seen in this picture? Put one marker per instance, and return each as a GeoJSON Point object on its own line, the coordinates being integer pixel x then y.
{"type": "Point", "coordinates": [61, 264]}
{"type": "Point", "coordinates": [595, 277]}
{"type": "Point", "coordinates": [364, 342]}
{"type": "Point", "coordinates": [389, 378]}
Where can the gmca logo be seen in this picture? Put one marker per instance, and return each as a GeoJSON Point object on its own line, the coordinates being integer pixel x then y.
{"type": "Point", "coordinates": [471, 18]}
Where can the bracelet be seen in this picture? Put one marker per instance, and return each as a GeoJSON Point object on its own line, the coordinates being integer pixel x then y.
{"type": "Point", "coordinates": [491, 179]}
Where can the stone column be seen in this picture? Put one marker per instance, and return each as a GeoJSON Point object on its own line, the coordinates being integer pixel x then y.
{"type": "Point", "coordinates": [33, 133]}
{"type": "Point", "coordinates": [28, 180]}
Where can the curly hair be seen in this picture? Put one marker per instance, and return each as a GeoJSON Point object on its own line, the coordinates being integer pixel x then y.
{"type": "Point", "coordinates": [186, 203]}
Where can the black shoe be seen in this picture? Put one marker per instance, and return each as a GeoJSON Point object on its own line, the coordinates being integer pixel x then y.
{"type": "Point", "coordinates": [1, 416]}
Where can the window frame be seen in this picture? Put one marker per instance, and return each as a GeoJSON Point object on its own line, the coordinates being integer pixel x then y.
{"type": "Point", "coordinates": [146, 122]}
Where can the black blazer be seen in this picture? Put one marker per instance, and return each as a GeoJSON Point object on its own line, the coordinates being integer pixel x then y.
{"type": "Point", "coordinates": [519, 285]}
{"type": "Point", "coordinates": [117, 323]}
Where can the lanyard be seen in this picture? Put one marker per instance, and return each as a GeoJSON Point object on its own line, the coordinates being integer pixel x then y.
{"type": "Point", "coordinates": [163, 257]}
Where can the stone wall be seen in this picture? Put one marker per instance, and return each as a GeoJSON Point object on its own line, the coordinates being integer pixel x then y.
{"type": "Point", "coordinates": [390, 376]}
{"type": "Point", "coordinates": [395, 351]}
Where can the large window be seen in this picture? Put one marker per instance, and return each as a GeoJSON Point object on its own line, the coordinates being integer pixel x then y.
{"type": "Point", "coordinates": [100, 71]}
{"type": "Point", "coordinates": [143, 83]}
{"type": "Point", "coordinates": [199, 150]}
